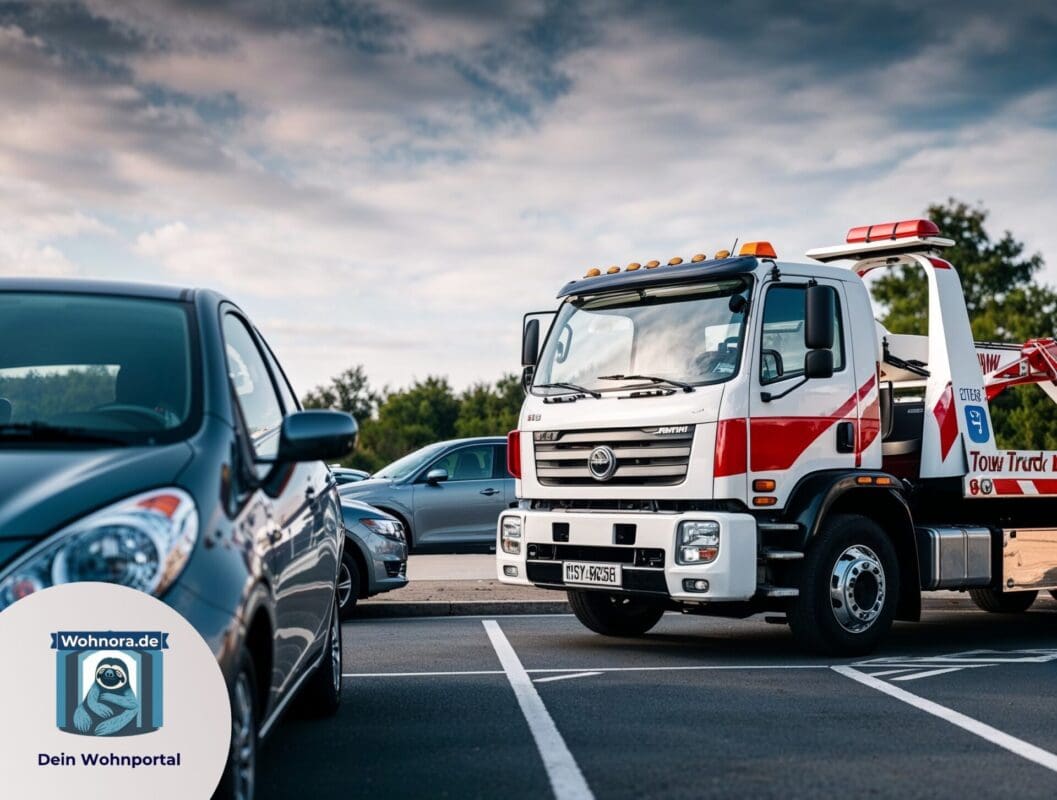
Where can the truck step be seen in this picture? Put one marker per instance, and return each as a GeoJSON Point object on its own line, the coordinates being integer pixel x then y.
{"type": "Point", "coordinates": [779, 591]}
{"type": "Point", "coordinates": [782, 555]}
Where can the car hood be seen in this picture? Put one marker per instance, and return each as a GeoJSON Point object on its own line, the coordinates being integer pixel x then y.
{"type": "Point", "coordinates": [41, 490]}
{"type": "Point", "coordinates": [361, 510]}
{"type": "Point", "coordinates": [361, 488]}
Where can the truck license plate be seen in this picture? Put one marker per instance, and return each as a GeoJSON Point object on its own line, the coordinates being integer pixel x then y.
{"type": "Point", "coordinates": [594, 574]}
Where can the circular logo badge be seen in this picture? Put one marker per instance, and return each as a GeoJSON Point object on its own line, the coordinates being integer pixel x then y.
{"type": "Point", "coordinates": [108, 692]}
{"type": "Point", "coordinates": [602, 463]}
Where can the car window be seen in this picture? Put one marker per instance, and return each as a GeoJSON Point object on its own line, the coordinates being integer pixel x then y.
{"type": "Point", "coordinates": [253, 387]}
{"type": "Point", "coordinates": [499, 468]}
{"type": "Point", "coordinates": [782, 343]}
{"type": "Point", "coordinates": [289, 399]}
{"type": "Point", "coordinates": [468, 463]}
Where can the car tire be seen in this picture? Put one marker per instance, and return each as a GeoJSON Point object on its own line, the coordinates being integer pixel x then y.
{"type": "Point", "coordinates": [322, 694]}
{"type": "Point", "coordinates": [849, 588]}
{"type": "Point", "coordinates": [1053, 594]}
{"type": "Point", "coordinates": [349, 582]}
{"type": "Point", "coordinates": [996, 602]}
{"type": "Point", "coordinates": [615, 614]}
{"type": "Point", "coordinates": [240, 773]}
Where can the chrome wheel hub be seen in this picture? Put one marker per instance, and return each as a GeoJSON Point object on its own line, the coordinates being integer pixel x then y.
{"type": "Point", "coordinates": [335, 650]}
{"type": "Point", "coordinates": [243, 740]}
{"type": "Point", "coordinates": [344, 585]}
{"type": "Point", "coordinates": [857, 588]}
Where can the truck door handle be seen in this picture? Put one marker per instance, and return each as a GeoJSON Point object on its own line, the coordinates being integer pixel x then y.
{"type": "Point", "coordinates": [489, 492]}
{"type": "Point", "coordinates": [846, 437]}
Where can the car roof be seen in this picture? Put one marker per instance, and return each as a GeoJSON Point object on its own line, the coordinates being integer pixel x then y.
{"type": "Point", "coordinates": [472, 439]}
{"type": "Point", "coordinates": [153, 291]}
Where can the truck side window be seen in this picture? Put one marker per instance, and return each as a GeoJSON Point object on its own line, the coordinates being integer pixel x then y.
{"type": "Point", "coordinates": [782, 348]}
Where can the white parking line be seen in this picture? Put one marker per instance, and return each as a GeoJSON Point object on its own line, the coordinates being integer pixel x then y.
{"type": "Point", "coordinates": [567, 781]}
{"type": "Point", "coordinates": [1026, 750]}
{"type": "Point", "coordinates": [932, 673]}
{"type": "Point", "coordinates": [566, 677]}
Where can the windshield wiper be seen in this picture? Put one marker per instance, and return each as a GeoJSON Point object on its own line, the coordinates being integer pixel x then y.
{"type": "Point", "coordinates": [43, 432]}
{"type": "Point", "coordinates": [573, 387]}
{"type": "Point", "coordinates": [686, 387]}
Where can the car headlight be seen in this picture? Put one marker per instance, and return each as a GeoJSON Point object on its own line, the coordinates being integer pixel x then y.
{"type": "Point", "coordinates": [142, 542]}
{"type": "Point", "coordinates": [389, 528]}
{"type": "Point", "coordinates": [510, 535]}
{"type": "Point", "coordinates": [697, 542]}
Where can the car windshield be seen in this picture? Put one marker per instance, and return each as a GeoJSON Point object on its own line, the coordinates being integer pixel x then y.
{"type": "Point", "coordinates": [91, 368]}
{"type": "Point", "coordinates": [410, 464]}
{"type": "Point", "coordinates": [685, 334]}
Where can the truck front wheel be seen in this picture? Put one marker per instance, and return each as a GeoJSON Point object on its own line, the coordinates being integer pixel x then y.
{"type": "Point", "coordinates": [998, 602]}
{"type": "Point", "coordinates": [615, 614]}
{"type": "Point", "coordinates": [849, 588]}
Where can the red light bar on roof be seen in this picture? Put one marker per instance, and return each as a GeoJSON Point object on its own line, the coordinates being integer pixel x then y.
{"type": "Point", "coordinates": [893, 230]}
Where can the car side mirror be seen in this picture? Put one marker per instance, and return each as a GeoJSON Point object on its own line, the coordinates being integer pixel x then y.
{"type": "Point", "coordinates": [818, 364]}
{"type": "Point", "coordinates": [530, 343]}
{"type": "Point", "coordinates": [819, 318]}
{"type": "Point", "coordinates": [316, 436]}
{"type": "Point", "coordinates": [437, 475]}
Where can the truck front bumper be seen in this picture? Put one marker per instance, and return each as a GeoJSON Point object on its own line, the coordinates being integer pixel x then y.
{"type": "Point", "coordinates": [642, 544]}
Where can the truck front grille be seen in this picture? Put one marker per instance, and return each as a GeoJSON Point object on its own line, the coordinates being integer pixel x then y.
{"type": "Point", "coordinates": [644, 456]}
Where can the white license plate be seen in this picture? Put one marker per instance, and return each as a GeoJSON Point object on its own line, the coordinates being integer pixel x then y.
{"type": "Point", "coordinates": [593, 574]}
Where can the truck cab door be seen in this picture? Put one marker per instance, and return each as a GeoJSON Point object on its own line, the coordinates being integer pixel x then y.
{"type": "Point", "coordinates": [795, 426]}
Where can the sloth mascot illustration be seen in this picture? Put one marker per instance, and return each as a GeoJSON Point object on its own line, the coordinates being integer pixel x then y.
{"type": "Point", "coordinates": [111, 704]}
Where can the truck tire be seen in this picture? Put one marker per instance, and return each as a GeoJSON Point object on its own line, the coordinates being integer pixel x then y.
{"type": "Point", "coordinates": [615, 614]}
{"type": "Point", "coordinates": [849, 588]}
{"type": "Point", "coordinates": [997, 602]}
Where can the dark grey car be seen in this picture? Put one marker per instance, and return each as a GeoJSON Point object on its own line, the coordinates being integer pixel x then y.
{"type": "Point", "coordinates": [448, 494]}
{"type": "Point", "coordinates": [375, 557]}
{"type": "Point", "coordinates": [149, 438]}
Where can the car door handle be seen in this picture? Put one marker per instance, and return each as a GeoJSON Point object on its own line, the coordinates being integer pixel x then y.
{"type": "Point", "coordinates": [489, 492]}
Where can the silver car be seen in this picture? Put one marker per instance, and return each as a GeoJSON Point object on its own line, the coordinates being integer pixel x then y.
{"type": "Point", "coordinates": [375, 557]}
{"type": "Point", "coordinates": [448, 494]}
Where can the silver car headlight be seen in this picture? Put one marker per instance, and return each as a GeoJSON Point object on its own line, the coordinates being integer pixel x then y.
{"type": "Point", "coordinates": [143, 542]}
{"type": "Point", "coordinates": [389, 528]}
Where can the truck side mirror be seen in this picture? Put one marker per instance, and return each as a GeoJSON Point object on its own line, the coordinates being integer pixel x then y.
{"type": "Point", "coordinates": [818, 364]}
{"type": "Point", "coordinates": [819, 318]}
{"type": "Point", "coordinates": [530, 343]}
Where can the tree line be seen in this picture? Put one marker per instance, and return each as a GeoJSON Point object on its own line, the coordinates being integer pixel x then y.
{"type": "Point", "coordinates": [1005, 300]}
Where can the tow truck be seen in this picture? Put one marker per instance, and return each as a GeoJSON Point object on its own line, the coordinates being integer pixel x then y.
{"type": "Point", "coordinates": [737, 435]}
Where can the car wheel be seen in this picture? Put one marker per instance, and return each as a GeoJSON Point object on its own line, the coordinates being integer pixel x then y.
{"type": "Point", "coordinates": [240, 774]}
{"type": "Point", "coordinates": [849, 588]}
{"type": "Point", "coordinates": [349, 583]}
{"type": "Point", "coordinates": [615, 614]}
{"type": "Point", "coordinates": [322, 694]}
{"type": "Point", "coordinates": [998, 602]}
{"type": "Point", "coordinates": [1053, 594]}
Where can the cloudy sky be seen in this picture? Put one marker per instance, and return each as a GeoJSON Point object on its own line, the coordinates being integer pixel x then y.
{"type": "Point", "coordinates": [395, 183]}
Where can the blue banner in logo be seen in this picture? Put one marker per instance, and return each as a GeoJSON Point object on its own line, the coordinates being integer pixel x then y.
{"type": "Point", "coordinates": [976, 424]}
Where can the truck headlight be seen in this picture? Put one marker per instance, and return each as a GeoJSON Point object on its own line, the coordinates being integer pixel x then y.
{"type": "Point", "coordinates": [697, 542]}
{"type": "Point", "coordinates": [389, 528]}
{"type": "Point", "coordinates": [142, 542]}
{"type": "Point", "coordinates": [510, 535]}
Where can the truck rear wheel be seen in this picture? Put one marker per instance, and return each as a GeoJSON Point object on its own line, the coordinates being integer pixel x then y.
{"type": "Point", "coordinates": [998, 602]}
{"type": "Point", "coordinates": [849, 588]}
{"type": "Point", "coordinates": [615, 614]}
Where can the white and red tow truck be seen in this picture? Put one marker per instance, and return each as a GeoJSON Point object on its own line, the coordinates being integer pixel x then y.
{"type": "Point", "coordinates": [736, 435]}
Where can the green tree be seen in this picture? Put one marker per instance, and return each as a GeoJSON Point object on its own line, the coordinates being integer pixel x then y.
{"type": "Point", "coordinates": [407, 420]}
{"type": "Point", "coordinates": [350, 391]}
{"type": "Point", "coordinates": [1005, 304]}
{"type": "Point", "coordinates": [487, 410]}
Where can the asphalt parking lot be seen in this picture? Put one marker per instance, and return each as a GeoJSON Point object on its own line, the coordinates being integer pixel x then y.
{"type": "Point", "coordinates": [962, 703]}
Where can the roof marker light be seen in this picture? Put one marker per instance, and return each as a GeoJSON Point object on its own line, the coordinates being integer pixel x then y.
{"type": "Point", "coordinates": [698, 257]}
{"type": "Point", "coordinates": [612, 270]}
{"type": "Point", "coordinates": [653, 264]}
{"type": "Point", "coordinates": [594, 272]}
{"type": "Point", "coordinates": [673, 262]}
{"type": "Point", "coordinates": [758, 249]}
{"type": "Point", "coordinates": [721, 254]}
{"type": "Point", "coordinates": [893, 230]}
{"type": "Point", "coordinates": [634, 265]}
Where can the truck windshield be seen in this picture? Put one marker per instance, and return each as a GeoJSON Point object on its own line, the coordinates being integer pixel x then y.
{"type": "Point", "coordinates": [92, 369]}
{"type": "Point", "coordinates": [687, 334]}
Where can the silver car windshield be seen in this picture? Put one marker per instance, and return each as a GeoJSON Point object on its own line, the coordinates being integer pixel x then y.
{"type": "Point", "coordinates": [689, 334]}
{"type": "Point", "coordinates": [411, 463]}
